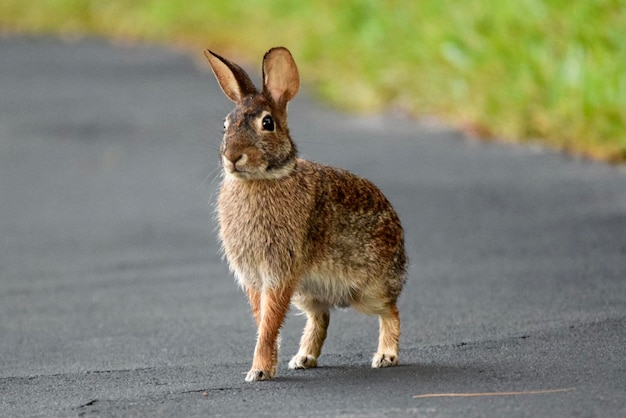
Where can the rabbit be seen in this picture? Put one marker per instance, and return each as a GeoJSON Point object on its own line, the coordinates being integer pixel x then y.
{"type": "Point", "coordinates": [296, 231]}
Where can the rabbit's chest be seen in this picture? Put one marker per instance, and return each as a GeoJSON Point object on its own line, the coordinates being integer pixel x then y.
{"type": "Point", "coordinates": [262, 236]}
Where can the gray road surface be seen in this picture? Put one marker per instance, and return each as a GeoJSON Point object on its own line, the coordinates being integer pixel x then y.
{"type": "Point", "coordinates": [114, 300]}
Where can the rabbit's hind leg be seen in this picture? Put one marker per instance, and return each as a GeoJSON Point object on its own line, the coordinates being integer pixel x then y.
{"type": "Point", "coordinates": [387, 354]}
{"type": "Point", "coordinates": [318, 317]}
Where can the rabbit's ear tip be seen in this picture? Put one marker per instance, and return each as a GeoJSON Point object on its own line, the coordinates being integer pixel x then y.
{"type": "Point", "coordinates": [277, 50]}
{"type": "Point", "coordinates": [209, 54]}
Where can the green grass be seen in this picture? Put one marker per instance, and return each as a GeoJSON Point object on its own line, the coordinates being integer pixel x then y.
{"type": "Point", "coordinates": [551, 71]}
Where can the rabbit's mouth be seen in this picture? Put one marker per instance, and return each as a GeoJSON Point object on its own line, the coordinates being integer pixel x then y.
{"type": "Point", "coordinates": [242, 170]}
{"type": "Point", "coordinates": [239, 168]}
{"type": "Point", "coordinates": [237, 172]}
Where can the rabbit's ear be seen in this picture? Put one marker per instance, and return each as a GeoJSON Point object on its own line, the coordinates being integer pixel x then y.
{"type": "Point", "coordinates": [233, 80]}
{"type": "Point", "coordinates": [280, 75]}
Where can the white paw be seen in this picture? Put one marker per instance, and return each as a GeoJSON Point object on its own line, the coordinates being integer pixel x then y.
{"type": "Point", "coordinates": [384, 360]}
{"type": "Point", "coordinates": [302, 361]}
{"type": "Point", "coordinates": [257, 375]}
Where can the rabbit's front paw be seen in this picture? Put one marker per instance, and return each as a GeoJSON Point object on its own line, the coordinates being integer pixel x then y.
{"type": "Point", "coordinates": [384, 360]}
{"type": "Point", "coordinates": [257, 375]}
{"type": "Point", "coordinates": [302, 361]}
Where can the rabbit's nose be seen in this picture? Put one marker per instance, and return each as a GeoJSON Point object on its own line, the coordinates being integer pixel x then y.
{"type": "Point", "coordinates": [232, 155]}
{"type": "Point", "coordinates": [235, 160]}
{"type": "Point", "coordinates": [235, 156]}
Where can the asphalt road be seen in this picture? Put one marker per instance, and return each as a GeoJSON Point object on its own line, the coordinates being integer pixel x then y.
{"type": "Point", "coordinates": [114, 300]}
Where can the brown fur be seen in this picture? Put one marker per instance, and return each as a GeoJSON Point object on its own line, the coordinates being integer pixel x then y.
{"type": "Point", "coordinates": [297, 231]}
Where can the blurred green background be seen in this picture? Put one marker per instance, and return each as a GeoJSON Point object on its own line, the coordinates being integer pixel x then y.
{"type": "Point", "coordinates": [548, 71]}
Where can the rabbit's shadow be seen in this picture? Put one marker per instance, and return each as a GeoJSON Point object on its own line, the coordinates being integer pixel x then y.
{"type": "Point", "coordinates": [410, 373]}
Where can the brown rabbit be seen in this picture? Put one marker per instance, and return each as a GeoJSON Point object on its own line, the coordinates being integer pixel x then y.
{"type": "Point", "coordinates": [298, 231]}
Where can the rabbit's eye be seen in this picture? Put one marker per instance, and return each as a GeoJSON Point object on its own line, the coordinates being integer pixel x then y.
{"type": "Point", "coordinates": [268, 123]}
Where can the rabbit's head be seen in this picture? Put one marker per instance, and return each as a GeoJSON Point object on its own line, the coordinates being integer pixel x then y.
{"type": "Point", "coordinates": [256, 143]}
